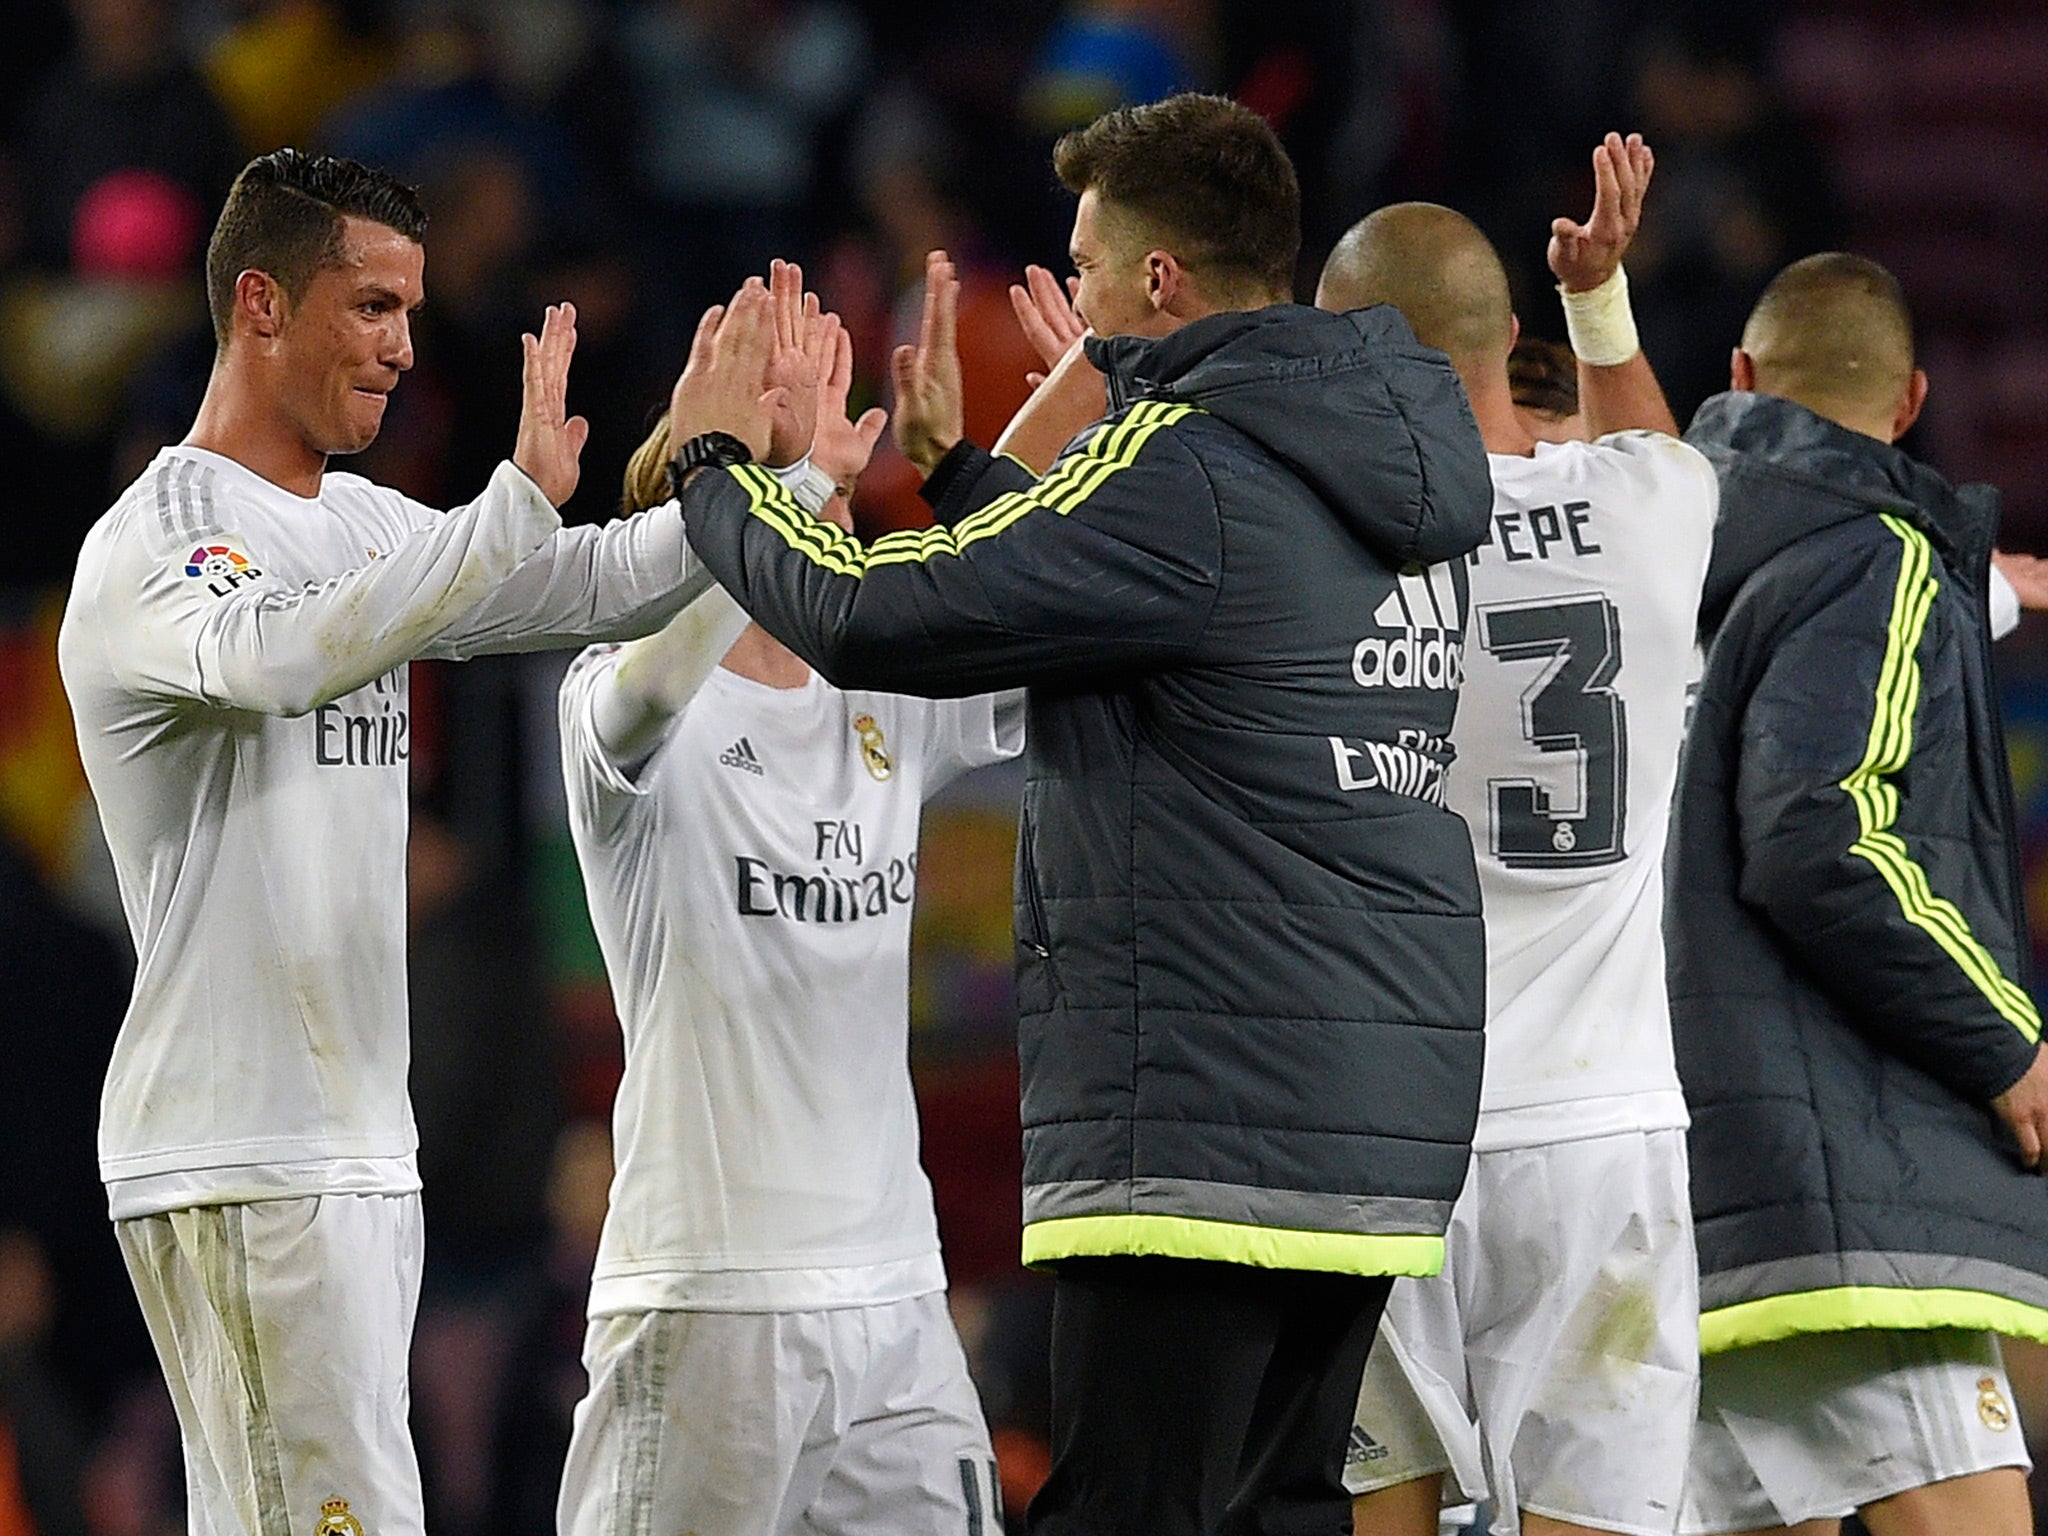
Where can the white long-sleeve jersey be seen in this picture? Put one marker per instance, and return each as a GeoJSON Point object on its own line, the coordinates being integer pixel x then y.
{"type": "Point", "coordinates": [751, 880]}
{"type": "Point", "coordinates": [1578, 659]}
{"type": "Point", "coordinates": [235, 660]}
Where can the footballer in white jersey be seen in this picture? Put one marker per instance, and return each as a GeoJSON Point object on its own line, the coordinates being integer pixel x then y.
{"type": "Point", "coordinates": [1577, 661]}
{"type": "Point", "coordinates": [234, 649]}
{"type": "Point", "coordinates": [1552, 1369]}
{"type": "Point", "coordinates": [1578, 657]}
{"type": "Point", "coordinates": [769, 1348]}
{"type": "Point", "coordinates": [235, 657]}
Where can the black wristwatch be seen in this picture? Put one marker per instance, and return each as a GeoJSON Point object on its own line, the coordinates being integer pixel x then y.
{"type": "Point", "coordinates": [715, 449]}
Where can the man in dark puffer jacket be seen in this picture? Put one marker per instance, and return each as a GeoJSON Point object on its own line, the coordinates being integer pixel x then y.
{"type": "Point", "coordinates": [1845, 935]}
{"type": "Point", "coordinates": [1251, 963]}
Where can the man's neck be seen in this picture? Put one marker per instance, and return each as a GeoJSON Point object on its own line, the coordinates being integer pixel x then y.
{"type": "Point", "coordinates": [1493, 407]}
{"type": "Point", "coordinates": [237, 421]}
{"type": "Point", "coordinates": [1194, 305]}
{"type": "Point", "coordinates": [761, 658]}
{"type": "Point", "coordinates": [1863, 423]}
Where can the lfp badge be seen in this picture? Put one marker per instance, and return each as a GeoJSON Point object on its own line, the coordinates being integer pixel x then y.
{"type": "Point", "coordinates": [222, 568]}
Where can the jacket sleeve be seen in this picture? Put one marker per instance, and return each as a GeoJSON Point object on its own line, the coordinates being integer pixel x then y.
{"type": "Point", "coordinates": [970, 477]}
{"type": "Point", "coordinates": [1111, 561]}
{"type": "Point", "coordinates": [1833, 740]}
{"type": "Point", "coordinates": [263, 646]}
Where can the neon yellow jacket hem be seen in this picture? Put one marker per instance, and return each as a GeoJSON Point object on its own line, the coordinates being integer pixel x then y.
{"type": "Point", "coordinates": [1866, 1306]}
{"type": "Point", "coordinates": [1182, 1237]}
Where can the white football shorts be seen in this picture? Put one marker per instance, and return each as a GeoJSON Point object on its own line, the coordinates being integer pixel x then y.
{"type": "Point", "coordinates": [284, 1327]}
{"type": "Point", "coordinates": [1821, 1424]}
{"type": "Point", "coordinates": [1553, 1366]}
{"type": "Point", "coordinates": [857, 1421]}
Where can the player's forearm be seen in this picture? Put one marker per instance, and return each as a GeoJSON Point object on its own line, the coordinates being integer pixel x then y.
{"type": "Point", "coordinates": [286, 653]}
{"type": "Point", "coordinates": [623, 581]}
{"type": "Point", "coordinates": [896, 626]}
{"type": "Point", "coordinates": [1624, 398]}
{"type": "Point", "coordinates": [1072, 397]}
{"type": "Point", "coordinates": [618, 582]}
{"type": "Point", "coordinates": [655, 678]}
{"type": "Point", "coordinates": [1618, 390]}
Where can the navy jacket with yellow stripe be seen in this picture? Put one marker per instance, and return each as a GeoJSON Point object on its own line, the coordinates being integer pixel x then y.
{"type": "Point", "coordinates": [1844, 924]}
{"type": "Point", "coordinates": [1250, 961]}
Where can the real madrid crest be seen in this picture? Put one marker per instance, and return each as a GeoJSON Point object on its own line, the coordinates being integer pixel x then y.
{"type": "Point", "coordinates": [874, 751]}
{"type": "Point", "coordinates": [335, 1520]}
{"type": "Point", "coordinates": [1992, 1407]}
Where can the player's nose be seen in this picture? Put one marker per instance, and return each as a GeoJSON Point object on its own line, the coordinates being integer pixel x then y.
{"type": "Point", "coordinates": [397, 352]}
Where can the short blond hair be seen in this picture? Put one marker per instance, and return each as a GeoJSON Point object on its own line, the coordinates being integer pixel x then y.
{"type": "Point", "coordinates": [647, 471]}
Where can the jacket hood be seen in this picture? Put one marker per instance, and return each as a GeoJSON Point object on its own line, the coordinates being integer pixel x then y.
{"type": "Point", "coordinates": [1786, 473]}
{"type": "Point", "coordinates": [1375, 423]}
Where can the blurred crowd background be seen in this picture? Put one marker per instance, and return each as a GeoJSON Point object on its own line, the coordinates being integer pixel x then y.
{"type": "Point", "coordinates": [639, 157]}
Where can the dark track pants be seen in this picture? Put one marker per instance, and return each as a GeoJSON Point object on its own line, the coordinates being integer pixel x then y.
{"type": "Point", "coordinates": [1192, 1398]}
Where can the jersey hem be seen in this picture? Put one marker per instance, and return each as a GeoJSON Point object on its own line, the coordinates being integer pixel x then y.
{"type": "Point", "coordinates": [1553, 1122]}
{"type": "Point", "coordinates": [822, 1289]}
{"type": "Point", "coordinates": [178, 1189]}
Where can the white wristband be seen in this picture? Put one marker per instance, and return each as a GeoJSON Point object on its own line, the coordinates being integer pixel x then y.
{"type": "Point", "coordinates": [1600, 323]}
{"type": "Point", "coordinates": [810, 485]}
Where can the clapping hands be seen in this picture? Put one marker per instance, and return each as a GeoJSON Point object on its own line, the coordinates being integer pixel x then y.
{"type": "Point", "coordinates": [930, 404]}
{"type": "Point", "coordinates": [774, 370]}
{"type": "Point", "coordinates": [1583, 256]}
{"type": "Point", "coordinates": [1048, 317]}
{"type": "Point", "coordinates": [724, 385]}
{"type": "Point", "coordinates": [1071, 393]}
{"type": "Point", "coordinates": [843, 447]}
{"type": "Point", "coordinates": [798, 363]}
{"type": "Point", "coordinates": [549, 447]}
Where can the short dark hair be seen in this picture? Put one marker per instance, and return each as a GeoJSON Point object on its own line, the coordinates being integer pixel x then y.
{"type": "Point", "coordinates": [1833, 332]}
{"type": "Point", "coordinates": [1205, 175]}
{"type": "Point", "coordinates": [1543, 376]}
{"type": "Point", "coordinates": [284, 216]}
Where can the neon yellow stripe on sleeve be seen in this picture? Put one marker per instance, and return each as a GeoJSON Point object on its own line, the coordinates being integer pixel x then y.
{"type": "Point", "coordinates": [1877, 800]}
{"type": "Point", "coordinates": [1107, 452]}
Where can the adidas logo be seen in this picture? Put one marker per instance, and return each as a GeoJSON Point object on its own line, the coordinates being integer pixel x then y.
{"type": "Point", "coordinates": [1362, 1449]}
{"type": "Point", "coordinates": [1429, 651]}
{"type": "Point", "coordinates": [741, 755]}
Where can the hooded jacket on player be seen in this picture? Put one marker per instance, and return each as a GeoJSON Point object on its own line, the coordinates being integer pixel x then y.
{"type": "Point", "coordinates": [1844, 924]}
{"type": "Point", "coordinates": [1250, 961]}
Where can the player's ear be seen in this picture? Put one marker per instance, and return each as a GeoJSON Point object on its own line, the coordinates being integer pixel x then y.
{"type": "Point", "coordinates": [1741, 371]}
{"type": "Point", "coordinates": [261, 302]}
{"type": "Point", "coordinates": [1163, 278]}
{"type": "Point", "coordinates": [1910, 404]}
{"type": "Point", "coordinates": [1514, 330]}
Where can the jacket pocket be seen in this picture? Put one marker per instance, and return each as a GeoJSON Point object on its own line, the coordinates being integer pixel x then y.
{"type": "Point", "coordinates": [1034, 933]}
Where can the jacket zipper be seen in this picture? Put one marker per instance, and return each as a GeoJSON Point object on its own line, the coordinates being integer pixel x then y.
{"type": "Point", "coordinates": [1034, 903]}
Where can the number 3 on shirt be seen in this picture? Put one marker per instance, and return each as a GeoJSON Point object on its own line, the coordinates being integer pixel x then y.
{"type": "Point", "coordinates": [1568, 708]}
